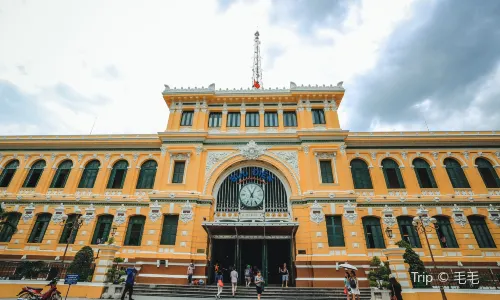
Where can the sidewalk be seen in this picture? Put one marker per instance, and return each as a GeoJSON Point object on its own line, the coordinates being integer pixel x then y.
{"type": "Point", "coordinates": [151, 298]}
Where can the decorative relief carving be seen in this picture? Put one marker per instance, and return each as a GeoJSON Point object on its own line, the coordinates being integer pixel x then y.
{"type": "Point", "coordinates": [252, 151]}
{"type": "Point", "coordinates": [89, 214]}
{"type": "Point", "coordinates": [52, 156]}
{"type": "Point", "coordinates": [324, 155]}
{"type": "Point", "coordinates": [404, 154]}
{"type": "Point", "coordinates": [350, 212]}
{"type": "Point", "coordinates": [155, 211]}
{"type": "Point", "coordinates": [424, 214]}
{"type": "Point", "coordinates": [373, 155]}
{"type": "Point", "coordinates": [121, 215]}
{"type": "Point", "coordinates": [186, 214]}
{"type": "Point", "coordinates": [419, 154]}
{"type": "Point", "coordinates": [57, 217]}
{"type": "Point", "coordinates": [305, 148]}
{"type": "Point", "coordinates": [107, 156]}
{"type": "Point", "coordinates": [163, 150]}
{"type": "Point", "coordinates": [199, 149]}
{"type": "Point", "coordinates": [342, 149]}
{"type": "Point", "coordinates": [435, 155]}
{"type": "Point", "coordinates": [466, 155]}
{"type": "Point", "coordinates": [316, 213]}
{"type": "Point", "coordinates": [289, 157]}
{"type": "Point", "coordinates": [458, 216]}
{"type": "Point", "coordinates": [28, 212]}
{"type": "Point", "coordinates": [135, 156]}
{"type": "Point", "coordinates": [494, 215]}
{"type": "Point", "coordinates": [388, 217]}
{"type": "Point", "coordinates": [180, 156]}
{"type": "Point", "coordinates": [213, 158]}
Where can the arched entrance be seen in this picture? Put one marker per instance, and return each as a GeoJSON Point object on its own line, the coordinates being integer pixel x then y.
{"type": "Point", "coordinates": [252, 223]}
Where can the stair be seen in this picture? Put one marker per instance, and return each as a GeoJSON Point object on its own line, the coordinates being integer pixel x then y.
{"type": "Point", "coordinates": [209, 291]}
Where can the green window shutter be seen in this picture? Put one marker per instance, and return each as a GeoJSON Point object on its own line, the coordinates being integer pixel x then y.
{"type": "Point", "coordinates": [11, 218]}
{"type": "Point", "coordinates": [102, 229]}
{"type": "Point", "coordinates": [178, 176]}
{"type": "Point", "coordinates": [481, 232]}
{"type": "Point", "coordinates": [431, 177]}
{"type": "Point", "coordinates": [65, 236]}
{"type": "Point", "coordinates": [147, 175]}
{"type": "Point", "coordinates": [38, 231]}
{"type": "Point", "coordinates": [8, 173]}
{"type": "Point", "coordinates": [373, 233]}
{"type": "Point", "coordinates": [169, 231]}
{"type": "Point", "coordinates": [400, 178]}
{"type": "Point", "coordinates": [456, 174]}
{"type": "Point", "coordinates": [335, 231]}
{"type": "Point", "coordinates": [444, 227]}
{"type": "Point", "coordinates": [326, 171]}
{"type": "Point", "coordinates": [135, 230]}
{"type": "Point", "coordinates": [405, 226]}
{"type": "Point", "coordinates": [89, 174]}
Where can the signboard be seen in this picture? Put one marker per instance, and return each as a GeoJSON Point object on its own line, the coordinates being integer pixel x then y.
{"type": "Point", "coordinates": [255, 174]}
{"type": "Point", "coordinates": [71, 278]}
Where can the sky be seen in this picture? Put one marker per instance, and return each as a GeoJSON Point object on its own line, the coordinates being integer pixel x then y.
{"type": "Point", "coordinates": [75, 67]}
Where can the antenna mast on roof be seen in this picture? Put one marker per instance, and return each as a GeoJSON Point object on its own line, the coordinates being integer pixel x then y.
{"type": "Point", "coordinates": [257, 69]}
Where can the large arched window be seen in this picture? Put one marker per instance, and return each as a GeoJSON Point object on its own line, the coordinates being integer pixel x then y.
{"type": "Point", "coordinates": [481, 232]}
{"type": "Point", "coordinates": [489, 175]}
{"type": "Point", "coordinates": [134, 231]}
{"type": "Point", "coordinates": [89, 175]}
{"type": "Point", "coordinates": [424, 174]}
{"type": "Point", "coordinates": [38, 231]}
{"type": "Point", "coordinates": [373, 233]}
{"type": "Point", "coordinates": [445, 233]}
{"type": "Point", "coordinates": [147, 175]}
{"type": "Point", "coordinates": [456, 174]}
{"type": "Point", "coordinates": [360, 174]}
{"type": "Point", "coordinates": [62, 174]}
{"type": "Point", "coordinates": [8, 173]}
{"type": "Point", "coordinates": [408, 232]}
{"type": "Point", "coordinates": [392, 174]}
{"type": "Point", "coordinates": [9, 225]}
{"type": "Point", "coordinates": [117, 177]}
{"type": "Point", "coordinates": [34, 174]}
{"type": "Point", "coordinates": [102, 229]}
{"type": "Point", "coordinates": [65, 236]}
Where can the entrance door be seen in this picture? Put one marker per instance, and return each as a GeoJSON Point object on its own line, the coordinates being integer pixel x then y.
{"type": "Point", "coordinates": [250, 254]}
{"type": "Point", "coordinates": [278, 252]}
{"type": "Point", "coordinates": [223, 253]}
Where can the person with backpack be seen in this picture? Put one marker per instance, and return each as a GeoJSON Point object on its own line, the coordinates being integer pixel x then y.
{"type": "Point", "coordinates": [259, 284]}
{"type": "Point", "coordinates": [220, 284]}
{"type": "Point", "coordinates": [248, 276]}
{"type": "Point", "coordinates": [354, 284]}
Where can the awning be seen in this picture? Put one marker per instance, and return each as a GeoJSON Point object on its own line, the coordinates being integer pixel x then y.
{"type": "Point", "coordinates": [251, 230]}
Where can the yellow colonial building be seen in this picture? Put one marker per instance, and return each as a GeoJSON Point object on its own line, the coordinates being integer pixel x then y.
{"type": "Point", "coordinates": [255, 177]}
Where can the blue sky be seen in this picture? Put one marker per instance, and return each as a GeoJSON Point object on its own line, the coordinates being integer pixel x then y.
{"type": "Point", "coordinates": [65, 63]}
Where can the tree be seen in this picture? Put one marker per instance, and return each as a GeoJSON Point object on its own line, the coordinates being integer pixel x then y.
{"type": "Point", "coordinates": [30, 270]}
{"type": "Point", "coordinates": [416, 264]}
{"type": "Point", "coordinates": [82, 264]}
{"type": "Point", "coordinates": [379, 275]}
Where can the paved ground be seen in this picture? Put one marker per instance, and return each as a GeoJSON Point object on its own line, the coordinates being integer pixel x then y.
{"type": "Point", "coordinates": [154, 298]}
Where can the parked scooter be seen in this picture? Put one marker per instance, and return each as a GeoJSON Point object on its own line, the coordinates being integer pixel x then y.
{"type": "Point", "coordinates": [31, 293]}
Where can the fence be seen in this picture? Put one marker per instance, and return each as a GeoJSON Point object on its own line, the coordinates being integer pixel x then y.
{"type": "Point", "coordinates": [33, 270]}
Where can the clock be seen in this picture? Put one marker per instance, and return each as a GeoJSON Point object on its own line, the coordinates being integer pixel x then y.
{"type": "Point", "coordinates": [251, 195]}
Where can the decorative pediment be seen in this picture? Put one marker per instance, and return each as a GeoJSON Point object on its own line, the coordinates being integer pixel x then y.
{"type": "Point", "coordinates": [251, 150]}
{"type": "Point", "coordinates": [424, 214]}
{"type": "Point", "coordinates": [186, 212]}
{"type": "Point", "coordinates": [494, 215]}
{"type": "Point", "coordinates": [155, 211]}
{"type": "Point", "coordinates": [388, 217]}
{"type": "Point", "coordinates": [316, 213]}
{"type": "Point", "coordinates": [28, 212]}
{"type": "Point", "coordinates": [350, 212]}
{"type": "Point", "coordinates": [89, 214]}
{"type": "Point", "coordinates": [458, 216]}
{"type": "Point", "coordinates": [121, 215]}
{"type": "Point", "coordinates": [58, 215]}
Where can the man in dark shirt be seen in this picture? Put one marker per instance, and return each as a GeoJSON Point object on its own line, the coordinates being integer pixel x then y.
{"type": "Point", "coordinates": [129, 283]}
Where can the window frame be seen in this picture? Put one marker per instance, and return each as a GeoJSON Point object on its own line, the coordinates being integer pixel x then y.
{"type": "Point", "coordinates": [229, 119]}
{"type": "Point", "coordinates": [332, 229]}
{"type": "Point", "coordinates": [413, 236]}
{"type": "Point", "coordinates": [187, 118]}
{"type": "Point", "coordinates": [217, 120]}
{"type": "Point", "coordinates": [87, 176]}
{"type": "Point", "coordinates": [318, 116]}
{"type": "Point", "coordinates": [147, 175]}
{"type": "Point", "coordinates": [10, 169]}
{"type": "Point", "coordinates": [112, 176]}
{"type": "Point", "coordinates": [286, 119]}
{"type": "Point", "coordinates": [422, 166]}
{"type": "Point", "coordinates": [66, 236]}
{"type": "Point", "coordinates": [271, 116]}
{"type": "Point", "coordinates": [358, 172]}
{"type": "Point", "coordinates": [7, 232]}
{"type": "Point", "coordinates": [106, 229]}
{"type": "Point", "coordinates": [445, 229]}
{"type": "Point", "coordinates": [62, 174]}
{"type": "Point", "coordinates": [330, 164]}
{"type": "Point", "coordinates": [456, 174]}
{"type": "Point", "coordinates": [130, 227]}
{"type": "Point", "coordinates": [251, 116]}
{"type": "Point", "coordinates": [487, 173]}
{"type": "Point", "coordinates": [165, 238]}
{"type": "Point", "coordinates": [183, 171]}
{"type": "Point", "coordinates": [31, 172]}
{"type": "Point", "coordinates": [376, 235]}
{"type": "Point", "coordinates": [390, 176]}
{"type": "Point", "coordinates": [37, 225]}
{"type": "Point", "coordinates": [486, 241]}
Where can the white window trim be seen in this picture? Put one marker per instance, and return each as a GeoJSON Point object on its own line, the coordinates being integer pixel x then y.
{"type": "Point", "coordinates": [178, 157]}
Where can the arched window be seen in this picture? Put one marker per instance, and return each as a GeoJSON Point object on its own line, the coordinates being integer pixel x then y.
{"type": "Point", "coordinates": [373, 233]}
{"type": "Point", "coordinates": [456, 174]}
{"type": "Point", "coordinates": [424, 174]}
{"type": "Point", "coordinates": [102, 229]}
{"type": "Point", "coordinates": [65, 236]}
{"type": "Point", "coordinates": [9, 225]}
{"type": "Point", "coordinates": [489, 175]}
{"type": "Point", "coordinates": [117, 177]}
{"type": "Point", "coordinates": [38, 231]}
{"type": "Point", "coordinates": [481, 232]}
{"type": "Point", "coordinates": [445, 233]}
{"type": "Point", "coordinates": [34, 174]}
{"type": "Point", "coordinates": [8, 173]}
{"type": "Point", "coordinates": [360, 174]}
{"type": "Point", "coordinates": [408, 232]}
{"type": "Point", "coordinates": [62, 174]}
{"type": "Point", "coordinates": [392, 174]}
{"type": "Point", "coordinates": [134, 231]}
{"type": "Point", "coordinates": [89, 175]}
{"type": "Point", "coordinates": [147, 175]}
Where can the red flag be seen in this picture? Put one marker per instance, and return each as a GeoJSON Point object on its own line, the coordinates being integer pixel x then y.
{"type": "Point", "coordinates": [256, 84]}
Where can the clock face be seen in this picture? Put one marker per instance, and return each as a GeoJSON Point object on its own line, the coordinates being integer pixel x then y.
{"type": "Point", "coordinates": [251, 195]}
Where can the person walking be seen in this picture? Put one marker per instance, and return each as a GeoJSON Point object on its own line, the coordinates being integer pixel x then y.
{"type": "Point", "coordinates": [190, 272]}
{"type": "Point", "coordinates": [220, 284]}
{"type": "Point", "coordinates": [284, 275]}
{"type": "Point", "coordinates": [248, 276]}
{"type": "Point", "coordinates": [216, 271]}
{"type": "Point", "coordinates": [354, 286]}
{"type": "Point", "coordinates": [395, 289]}
{"type": "Point", "coordinates": [259, 284]}
{"type": "Point", "coordinates": [347, 285]}
{"type": "Point", "coordinates": [129, 283]}
{"type": "Point", "coordinates": [234, 280]}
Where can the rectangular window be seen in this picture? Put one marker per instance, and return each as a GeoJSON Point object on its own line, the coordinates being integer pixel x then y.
{"type": "Point", "coordinates": [481, 232]}
{"type": "Point", "coordinates": [290, 119]}
{"type": "Point", "coordinates": [178, 176]}
{"type": "Point", "coordinates": [215, 119]}
{"type": "Point", "coordinates": [318, 116]}
{"type": "Point", "coordinates": [326, 171]}
{"type": "Point", "coordinates": [187, 118]}
{"type": "Point", "coordinates": [134, 231]}
{"type": "Point", "coordinates": [252, 119]}
{"type": "Point", "coordinates": [271, 119]}
{"type": "Point", "coordinates": [233, 119]}
{"type": "Point", "coordinates": [335, 231]}
{"type": "Point", "coordinates": [169, 231]}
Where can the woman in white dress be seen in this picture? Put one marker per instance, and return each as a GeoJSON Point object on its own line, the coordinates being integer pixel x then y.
{"type": "Point", "coordinates": [354, 286]}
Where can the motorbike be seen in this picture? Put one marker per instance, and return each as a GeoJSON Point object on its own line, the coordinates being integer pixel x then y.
{"type": "Point", "coordinates": [32, 293]}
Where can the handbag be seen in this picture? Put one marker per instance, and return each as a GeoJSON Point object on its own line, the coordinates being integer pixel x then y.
{"type": "Point", "coordinates": [345, 290]}
{"type": "Point", "coordinates": [220, 283]}
{"type": "Point", "coordinates": [393, 294]}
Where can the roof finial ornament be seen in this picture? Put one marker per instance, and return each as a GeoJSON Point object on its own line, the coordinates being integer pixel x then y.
{"type": "Point", "coordinates": [257, 69]}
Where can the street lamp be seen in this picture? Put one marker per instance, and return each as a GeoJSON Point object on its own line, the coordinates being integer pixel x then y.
{"type": "Point", "coordinates": [74, 225]}
{"type": "Point", "coordinates": [422, 223]}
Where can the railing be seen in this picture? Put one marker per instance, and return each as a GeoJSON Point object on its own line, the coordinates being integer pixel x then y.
{"type": "Point", "coordinates": [464, 278]}
{"type": "Point", "coordinates": [33, 270]}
